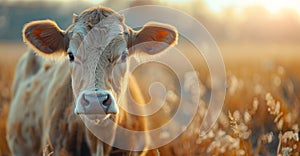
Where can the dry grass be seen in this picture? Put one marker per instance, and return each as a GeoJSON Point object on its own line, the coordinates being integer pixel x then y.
{"type": "Point", "coordinates": [261, 110]}
{"type": "Point", "coordinates": [9, 55]}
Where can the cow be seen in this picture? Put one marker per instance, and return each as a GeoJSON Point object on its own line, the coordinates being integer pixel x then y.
{"type": "Point", "coordinates": [98, 45]}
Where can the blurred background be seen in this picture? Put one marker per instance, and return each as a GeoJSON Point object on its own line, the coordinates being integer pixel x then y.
{"type": "Point", "coordinates": [259, 21]}
{"type": "Point", "coordinates": [265, 27]}
{"type": "Point", "coordinates": [259, 41]}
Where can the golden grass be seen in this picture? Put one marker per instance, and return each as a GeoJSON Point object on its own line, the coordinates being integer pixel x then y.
{"type": "Point", "coordinates": [261, 110]}
{"type": "Point", "coordinates": [261, 106]}
{"type": "Point", "coordinates": [9, 55]}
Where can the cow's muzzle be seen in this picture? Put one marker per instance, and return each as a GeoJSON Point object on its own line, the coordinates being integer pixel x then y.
{"type": "Point", "coordinates": [95, 102]}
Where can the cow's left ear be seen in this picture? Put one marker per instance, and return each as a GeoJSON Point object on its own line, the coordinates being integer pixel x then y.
{"type": "Point", "coordinates": [154, 38]}
{"type": "Point", "coordinates": [45, 37]}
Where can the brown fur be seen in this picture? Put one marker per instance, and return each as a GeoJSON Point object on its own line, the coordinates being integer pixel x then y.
{"type": "Point", "coordinates": [42, 109]}
{"type": "Point", "coordinates": [54, 122]}
{"type": "Point", "coordinates": [48, 110]}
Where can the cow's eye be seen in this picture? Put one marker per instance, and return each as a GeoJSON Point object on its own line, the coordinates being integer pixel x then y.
{"type": "Point", "coordinates": [124, 55]}
{"type": "Point", "coordinates": [71, 56]}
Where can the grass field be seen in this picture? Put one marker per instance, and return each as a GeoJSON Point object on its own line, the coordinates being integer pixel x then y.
{"type": "Point", "coordinates": [261, 110]}
{"type": "Point", "coordinates": [9, 56]}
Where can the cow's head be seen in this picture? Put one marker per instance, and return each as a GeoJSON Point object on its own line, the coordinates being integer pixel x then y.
{"type": "Point", "coordinates": [98, 44]}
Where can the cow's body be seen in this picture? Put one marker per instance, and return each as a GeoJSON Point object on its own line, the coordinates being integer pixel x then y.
{"type": "Point", "coordinates": [39, 116]}
{"type": "Point", "coordinates": [42, 111]}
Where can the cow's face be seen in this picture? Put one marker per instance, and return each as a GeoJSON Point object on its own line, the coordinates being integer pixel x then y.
{"type": "Point", "coordinates": [98, 45]}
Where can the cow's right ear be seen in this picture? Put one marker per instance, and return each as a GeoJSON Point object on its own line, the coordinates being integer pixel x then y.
{"type": "Point", "coordinates": [46, 38]}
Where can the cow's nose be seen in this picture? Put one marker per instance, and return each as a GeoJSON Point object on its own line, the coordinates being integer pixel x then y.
{"type": "Point", "coordinates": [104, 100]}
{"type": "Point", "coordinates": [96, 102]}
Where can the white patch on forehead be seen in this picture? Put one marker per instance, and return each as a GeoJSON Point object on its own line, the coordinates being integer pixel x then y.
{"type": "Point", "coordinates": [98, 38]}
{"type": "Point", "coordinates": [101, 35]}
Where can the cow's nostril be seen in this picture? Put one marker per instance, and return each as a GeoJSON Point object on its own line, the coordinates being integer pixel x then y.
{"type": "Point", "coordinates": [106, 102]}
{"type": "Point", "coordinates": [84, 101]}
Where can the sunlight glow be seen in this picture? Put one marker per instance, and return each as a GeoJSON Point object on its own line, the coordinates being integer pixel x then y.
{"type": "Point", "coordinates": [96, 1]}
{"type": "Point", "coordinates": [273, 6]}
{"type": "Point", "coordinates": [178, 1]}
